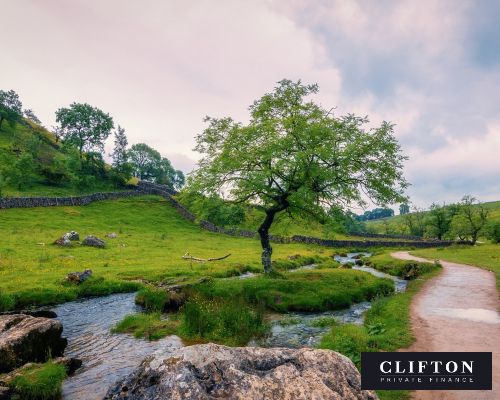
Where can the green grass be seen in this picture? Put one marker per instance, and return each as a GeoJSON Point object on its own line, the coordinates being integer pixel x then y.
{"type": "Point", "coordinates": [314, 290]}
{"type": "Point", "coordinates": [486, 256]}
{"type": "Point", "coordinates": [405, 269]}
{"type": "Point", "coordinates": [231, 322]}
{"type": "Point", "coordinates": [386, 328]}
{"type": "Point", "coordinates": [152, 238]}
{"type": "Point", "coordinates": [39, 382]}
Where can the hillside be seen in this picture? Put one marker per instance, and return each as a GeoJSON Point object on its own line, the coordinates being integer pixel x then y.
{"type": "Point", "coordinates": [33, 163]}
{"type": "Point", "coordinates": [396, 223]}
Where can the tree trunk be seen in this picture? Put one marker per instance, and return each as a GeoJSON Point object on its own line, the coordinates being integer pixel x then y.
{"type": "Point", "coordinates": [267, 250]}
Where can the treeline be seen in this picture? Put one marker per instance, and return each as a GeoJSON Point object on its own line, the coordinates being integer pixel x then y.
{"type": "Point", "coordinates": [468, 219]}
{"type": "Point", "coordinates": [376, 213]}
{"type": "Point", "coordinates": [74, 153]}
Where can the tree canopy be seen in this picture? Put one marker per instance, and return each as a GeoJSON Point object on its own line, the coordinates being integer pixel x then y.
{"type": "Point", "coordinates": [296, 156]}
{"type": "Point", "coordinates": [10, 107]}
{"type": "Point", "coordinates": [84, 126]}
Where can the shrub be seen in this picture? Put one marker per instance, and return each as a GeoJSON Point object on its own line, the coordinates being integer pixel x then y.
{"type": "Point", "coordinates": [493, 231]}
{"type": "Point", "coordinates": [150, 326]}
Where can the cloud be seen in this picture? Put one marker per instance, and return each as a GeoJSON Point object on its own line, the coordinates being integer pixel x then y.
{"type": "Point", "coordinates": [431, 67]}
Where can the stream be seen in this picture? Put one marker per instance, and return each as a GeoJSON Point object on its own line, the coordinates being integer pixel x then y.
{"type": "Point", "coordinates": [109, 357]}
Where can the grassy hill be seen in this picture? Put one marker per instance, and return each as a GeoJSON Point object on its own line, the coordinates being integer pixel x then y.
{"type": "Point", "coordinates": [396, 223]}
{"type": "Point", "coordinates": [36, 142]}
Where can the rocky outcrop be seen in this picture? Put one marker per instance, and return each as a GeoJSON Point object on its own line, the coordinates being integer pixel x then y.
{"type": "Point", "coordinates": [24, 339]}
{"type": "Point", "coordinates": [211, 371]}
{"type": "Point", "coordinates": [79, 277]}
{"type": "Point", "coordinates": [63, 241]}
{"type": "Point", "coordinates": [93, 241]}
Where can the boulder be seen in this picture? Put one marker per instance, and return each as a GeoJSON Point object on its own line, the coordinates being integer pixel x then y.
{"type": "Point", "coordinates": [72, 236]}
{"type": "Point", "coordinates": [94, 241]}
{"type": "Point", "coordinates": [63, 241]}
{"type": "Point", "coordinates": [358, 262]}
{"type": "Point", "coordinates": [210, 371]}
{"type": "Point", "coordinates": [34, 313]}
{"type": "Point", "coordinates": [24, 339]}
{"type": "Point", "coordinates": [112, 235]}
{"type": "Point", "coordinates": [79, 277]}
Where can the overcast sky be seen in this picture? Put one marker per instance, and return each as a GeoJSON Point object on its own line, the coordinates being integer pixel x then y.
{"type": "Point", "coordinates": [159, 66]}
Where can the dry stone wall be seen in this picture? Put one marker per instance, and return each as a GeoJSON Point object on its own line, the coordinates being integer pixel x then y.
{"type": "Point", "coordinates": [168, 193]}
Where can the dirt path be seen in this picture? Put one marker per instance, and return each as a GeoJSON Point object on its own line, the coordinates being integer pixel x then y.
{"type": "Point", "coordinates": [457, 311]}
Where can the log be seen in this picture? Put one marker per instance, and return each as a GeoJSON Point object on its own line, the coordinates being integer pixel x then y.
{"type": "Point", "coordinates": [188, 256]}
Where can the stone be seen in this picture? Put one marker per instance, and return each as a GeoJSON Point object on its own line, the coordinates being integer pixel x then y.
{"type": "Point", "coordinates": [5, 393]}
{"type": "Point", "coordinates": [24, 339]}
{"type": "Point", "coordinates": [358, 262]}
{"type": "Point", "coordinates": [73, 236]}
{"type": "Point", "coordinates": [79, 277]}
{"type": "Point", "coordinates": [63, 241]}
{"type": "Point", "coordinates": [35, 313]}
{"type": "Point", "coordinates": [71, 364]}
{"type": "Point", "coordinates": [93, 241]}
{"type": "Point", "coordinates": [112, 235]}
{"type": "Point", "coordinates": [211, 371]}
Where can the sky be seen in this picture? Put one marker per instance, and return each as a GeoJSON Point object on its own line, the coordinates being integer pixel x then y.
{"type": "Point", "coordinates": [431, 67]}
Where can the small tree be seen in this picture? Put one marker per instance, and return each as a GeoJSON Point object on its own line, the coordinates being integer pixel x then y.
{"type": "Point", "coordinates": [10, 107]}
{"type": "Point", "coordinates": [414, 222]}
{"type": "Point", "coordinates": [84, 127]}
{"type": "Point", "coordinates": [119, 154]}
{"type": "Point", "coordinates": [145, 161]}
{"type": "Point", "coordinates": [404, 208]}
{"type": "Point", "coordinates": [470, 219]}
{"type": "Point", "coordinates": [29, 114]}
{"type": "Point", "coordinates": [297, 157]}
{"type": "Point", "coordinates": [438, 221]}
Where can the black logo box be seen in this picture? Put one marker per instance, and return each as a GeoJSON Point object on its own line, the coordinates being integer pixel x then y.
{"type": "Point", "coordinates": [455, 371]}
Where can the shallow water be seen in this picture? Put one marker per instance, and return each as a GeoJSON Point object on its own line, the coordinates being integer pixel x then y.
{"type": "Point", "coordinates": [106, 357]}
{"type": "Point", "coordinates": [303, 333]}
{"type": "Point", "coordinates": [109, 357]}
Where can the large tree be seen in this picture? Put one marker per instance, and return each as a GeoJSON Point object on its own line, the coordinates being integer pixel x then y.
{"type": "Point", "coordinates": [10, 107]}
{"type": "Point", "coordinates": [84, 127]}
{"type": "Point", "coordinates": [296, 156]}
{"type": "Point", "coordinates": [438, 221]}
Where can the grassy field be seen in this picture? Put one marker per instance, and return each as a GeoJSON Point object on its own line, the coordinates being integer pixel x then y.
{"type": "Point", "coordinates": [152, 238]}
{"type": "Point", "coordinates": [485, 256]}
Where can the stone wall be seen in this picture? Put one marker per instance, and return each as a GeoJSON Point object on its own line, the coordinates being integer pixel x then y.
{"type": "Point", "coordinates": [26, 202]}
{"type": "Point", "coordinates": [167, 193]}
{"type": "Point", "coordinates": [386, 236]}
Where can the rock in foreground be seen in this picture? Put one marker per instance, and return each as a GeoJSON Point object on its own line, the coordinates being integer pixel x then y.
{"type": "Point", "coordinates": [211, 371]}
{"type": "Point", "coordinates": [24, 338]}
{"type": "Point", "coordinates": [94, 241]}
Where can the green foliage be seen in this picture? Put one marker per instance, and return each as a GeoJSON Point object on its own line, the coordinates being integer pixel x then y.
{"type": "Point", "coordinates": [10, 107]}
{"type": "Point", "coordinates": [39, 382]}
{"type": "Point", "coordinates": [287, 321]}
{"type": "Point", "coordinates": [84, 127]}
{"type": "Point", "coordinates": [438, 221]}
{"type": "Point", "coordinates": [148, 164]}
{"type": "Point", "coordinates": [290, 156]}
{"type": "Point", "coordinates": [376, 213]}
{"type": "Point", "coordinates": [470, 220]}
{"type": "Point", "coordinates": [404, 208]}
{"type": "Point", "coordinates": [324, 322]}
{"type": "Point", "coordinates": [213, 209]}
{"type": "Point", "coordinates": [493, 231]}
{"type": "Point", "coordinates": [349, 339]}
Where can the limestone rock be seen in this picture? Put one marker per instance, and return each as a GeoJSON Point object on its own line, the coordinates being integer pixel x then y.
{"type": "Point", "coordinates": [210, 371]}
{"type": "Point", "coordinates": [72, 236]}
{"type": "Point", "coordinates": [24, 339]}
{"type": "Point", "coordinates": [93, 241]}
{"type": "Point", "coordinates": [79, 277]}
{"type": "Point", "coordinates": [63, 241]}
{"type": "Point", "coordinates": [112, 235]}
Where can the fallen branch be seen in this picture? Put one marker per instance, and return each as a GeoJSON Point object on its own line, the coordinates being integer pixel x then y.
{"type": "Point", "coordinates": [188, 256]}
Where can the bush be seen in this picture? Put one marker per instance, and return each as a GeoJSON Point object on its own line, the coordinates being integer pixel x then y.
{"type": "Point", "coordinates": [493, 231]}
{"type": "Point", "coordinates": [349, 339]}
{"type": "Point", "coordinates": [149, 326]}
